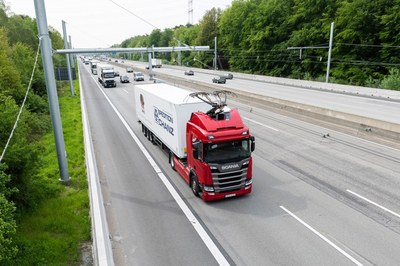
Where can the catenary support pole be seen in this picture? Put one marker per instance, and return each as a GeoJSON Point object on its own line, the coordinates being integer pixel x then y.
{"type": "Point", "coordinates": [71, 84]}
{"type": "Point", "coordinates": [51, 88]}
{"type": "Point", "coordinates": [215, 54]}
{"type": "Point", "coordinates": [150, 66]}
{"type": "Point", "coordinates": [71, 56]}
{"type": "Point", "coordinates": [329, 53]}
{"type": "Point", "coordinates": [179, 54]}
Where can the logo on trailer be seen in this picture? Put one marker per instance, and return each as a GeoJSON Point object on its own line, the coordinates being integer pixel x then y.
{"type": "Point", "coordinates": [164, 120]}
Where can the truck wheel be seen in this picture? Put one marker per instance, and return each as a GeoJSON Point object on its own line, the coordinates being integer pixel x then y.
{"type": "Point", "coordinates": [194, 184]}
{"type": "Point", "coordinates": [171, 161]}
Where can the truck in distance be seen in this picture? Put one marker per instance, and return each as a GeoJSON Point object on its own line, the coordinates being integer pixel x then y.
{"type": "Point", "coordinates": [106, 75]}
{"type": "Point", "coordinates": [157, 63]}
{"type": "Point", "coordinates": [207, 142]}
{"type": "Point", "coordinates": [93, 66]}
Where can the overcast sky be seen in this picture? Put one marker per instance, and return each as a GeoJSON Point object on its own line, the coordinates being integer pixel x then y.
{"type": "Point", "coordinates": [102, 23]}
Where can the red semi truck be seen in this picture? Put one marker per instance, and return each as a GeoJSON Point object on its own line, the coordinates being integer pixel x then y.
{"type": "Point", "coordinates": [208, 144]}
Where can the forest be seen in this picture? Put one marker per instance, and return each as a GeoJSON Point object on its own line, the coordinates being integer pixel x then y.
{"type": "Point", "coordinates": [253, 36]}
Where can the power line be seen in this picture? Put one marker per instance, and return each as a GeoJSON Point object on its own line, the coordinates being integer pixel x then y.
{"type": "Point", "coordinates": [130, 12]}
{"type": "Point", "coordinates": [369, 45]}
{"type": "Point", "coordinates": [23, 104]}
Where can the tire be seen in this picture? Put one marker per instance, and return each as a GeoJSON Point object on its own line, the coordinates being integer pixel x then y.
{"type": "Point", "coordinates": [194, 185]}
{"type": "Point", "coordinates": [171, 161]}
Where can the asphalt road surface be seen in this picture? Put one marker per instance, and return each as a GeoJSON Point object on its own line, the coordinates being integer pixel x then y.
{"type": "Point", "coordinates": [316, 200]}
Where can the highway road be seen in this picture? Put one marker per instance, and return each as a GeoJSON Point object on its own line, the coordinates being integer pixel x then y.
{"type": "Point", "coordinates": [316, 200]}
{"type": "Point", "coordinates": [380, 109]}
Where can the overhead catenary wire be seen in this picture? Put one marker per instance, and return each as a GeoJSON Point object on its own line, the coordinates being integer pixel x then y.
{"type": "Point", "coordinates": [130, 12]}
{"type": "Point", "coordinates": [23, 103]}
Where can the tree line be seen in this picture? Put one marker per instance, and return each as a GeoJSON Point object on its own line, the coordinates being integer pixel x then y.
{"type": "Point", "coordinates": [253, 36]}
{"type": "Point", "coordinates": [21, 188]}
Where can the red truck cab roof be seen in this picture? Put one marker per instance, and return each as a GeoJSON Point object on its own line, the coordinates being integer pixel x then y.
{"type": "Point", "coordinates": [224, 126]}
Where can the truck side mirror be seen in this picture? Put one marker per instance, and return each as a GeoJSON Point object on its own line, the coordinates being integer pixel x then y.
{"type": "Point", "coordinates": [253, 144]}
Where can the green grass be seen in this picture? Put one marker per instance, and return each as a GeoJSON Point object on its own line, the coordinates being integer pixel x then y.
{"type": "Point", "coordinates": [53, 233]}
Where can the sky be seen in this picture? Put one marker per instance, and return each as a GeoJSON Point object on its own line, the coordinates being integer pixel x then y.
{"type": "Point", "coordinates": [102, 23]}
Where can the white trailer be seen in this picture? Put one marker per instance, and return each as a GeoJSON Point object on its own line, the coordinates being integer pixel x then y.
{"type": "Point", "coordinates": [156, 62]}
{"type": "Point", "coordinates": [106, 75]}
{"type": "Point", "coordinates": [165, 110]}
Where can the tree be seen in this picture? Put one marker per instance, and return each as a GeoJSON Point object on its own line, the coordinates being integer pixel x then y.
{"type": "Point", "coordinates": [22, 29]}
{"type": "Point", "coordinates": [10, 82]}
{"type": "Point", "coordinates": [8, 227]}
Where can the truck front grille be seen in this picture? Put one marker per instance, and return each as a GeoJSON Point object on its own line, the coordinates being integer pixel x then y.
{"type": "Point", "coordinates": [229, 177]}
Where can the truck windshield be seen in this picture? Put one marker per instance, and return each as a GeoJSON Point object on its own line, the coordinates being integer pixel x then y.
{"type": "Point", "coordinates": [222, 152]}
{"type": "Point", "coordinates": [108, 75]}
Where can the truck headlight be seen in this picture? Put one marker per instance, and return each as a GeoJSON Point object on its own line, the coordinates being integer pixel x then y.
{"type": "Point", "coordinates": [208, 189]}
{"type": "Point", "coordinates": [248, 182]}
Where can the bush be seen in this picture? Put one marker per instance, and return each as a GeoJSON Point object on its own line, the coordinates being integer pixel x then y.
{"type": "Point", "coordinates": [392, 81]}
{"type": "Point", "coordinates": [8, 249]}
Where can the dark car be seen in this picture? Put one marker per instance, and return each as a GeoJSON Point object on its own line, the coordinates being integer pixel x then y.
{"type": "Point", "coordinates": [189, 72]}
{"type": "Point", "coordinates": [129, 70]}
{"type": "Point", "coordinates": [219, 79]}
{"type": "Point", "coordinates": [228, 76]}
{"type": "Point", "coordinates": [124, 79]}
{"type": "Point", "coordinates": [116, 74]}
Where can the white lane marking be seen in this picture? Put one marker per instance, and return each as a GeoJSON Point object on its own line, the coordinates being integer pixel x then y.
{"type": "Point", "coordinates": [100, 234]}
{"type": "Point", "coordinates": [373, 203]}
{"type": "Point", "coordinates": [258, 123]}
{"type": "Point", "coordinates": [125, 90]}
{"type": "Point", "coordinates": [219, 257]}
{"type": "Point", "coordinates": [323, 237]}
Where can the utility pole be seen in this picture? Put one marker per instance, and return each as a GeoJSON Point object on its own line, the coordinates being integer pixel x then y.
{"type": "Point", "coordinates": [179, 54]}
{"type": "Point", "coordinates": [329, 53]}
{"type": "Point", "coordinates": [71, 84]}
{"type": "Point", "coordinates": [71, 56]}
{"type": "Point", "coordinates": [46, 49]}
{"type": "Point", "coordinates": [150, 65]}
{"type": "Point", "coordinates": [190, 12]}
{"type": "Point", "coordinates": [328, 66]}
{"type": "Point", "coordinates": [215, 53]}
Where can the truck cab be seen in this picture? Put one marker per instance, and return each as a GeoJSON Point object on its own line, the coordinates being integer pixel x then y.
{"type": "Point", "coordinates": [106, 75]}
{"type": "Point", "coordinates": [219, 157]}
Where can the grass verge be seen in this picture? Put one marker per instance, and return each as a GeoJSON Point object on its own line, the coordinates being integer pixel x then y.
{"type": "Point", "coordinates": [55, 232]}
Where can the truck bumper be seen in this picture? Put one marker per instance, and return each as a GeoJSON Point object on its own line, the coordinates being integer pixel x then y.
{"type": "Point", "coordinates": [210, 196]}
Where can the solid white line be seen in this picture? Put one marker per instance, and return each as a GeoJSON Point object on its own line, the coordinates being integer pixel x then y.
{"type": "Point", "coordinates": [258, 123]}
{"type": "Point", "coordinates": [100, 226]}
{"type": "Point", "coordinates": [323, 237]}
{"type": "Point", "coordinates": [376, 204]}
{"type": "Point", "coordinates": [189, 215]}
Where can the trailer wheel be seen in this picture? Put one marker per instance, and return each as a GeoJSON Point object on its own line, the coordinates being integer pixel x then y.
{"type": "Point", "coordinates": [194, 184]}
{"type": "Point", "coordinates": [171, 161]}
